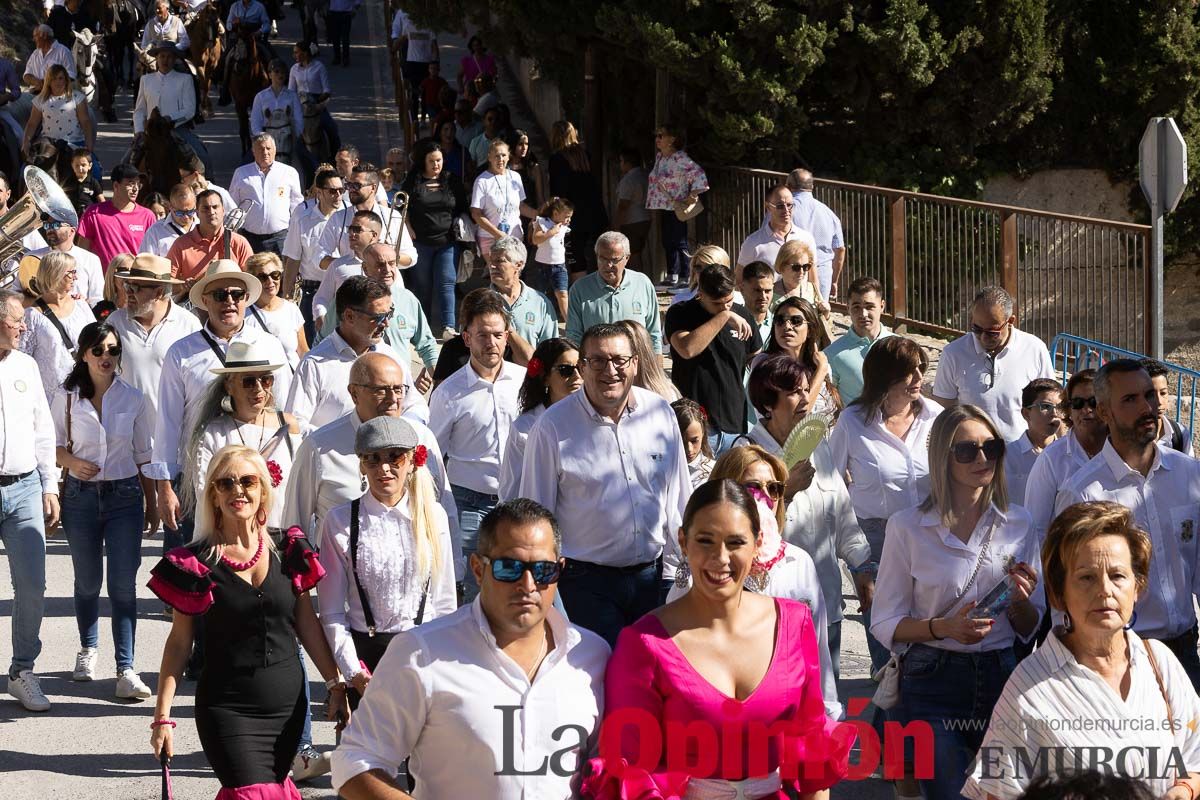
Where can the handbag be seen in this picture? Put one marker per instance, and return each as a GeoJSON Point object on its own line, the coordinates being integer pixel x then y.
{"type": "Point", "coordinates": [462, 230]}
{"type": "Point", "coordinates": [887, 693]}
{"type": "Point", "coordinates": [685, 210]}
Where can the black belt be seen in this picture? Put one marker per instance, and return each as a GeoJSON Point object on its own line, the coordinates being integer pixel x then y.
{"type": "Point", "coordinates": [9, 480]}
{"type": "Point", "coordinates": [310, 286]}
{"type": "Point", "coordinates": [632, 568]}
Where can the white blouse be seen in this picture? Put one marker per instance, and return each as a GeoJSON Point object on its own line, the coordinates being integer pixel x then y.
{"type": "Point", "coordinates": [45, 344]}
{"type": "Point", "coordinates": [514, 453]}
{"type": "Point", "coordinates": [60, 116]}
{"type": "Point", "coordinates": [1053, 701]}
{"type": "Point", "coordinates": [226, 430]}
{"type": "Point", "coordinates": [499, 197]}
{"type": "Point", "coordinates": [119, 442]}
{"type": "Point", "coordinates": [887, 474]}
{"type": "Point", "coordinates": [387, 567]}
{"type": "Point", "coordinates": [285, 322]}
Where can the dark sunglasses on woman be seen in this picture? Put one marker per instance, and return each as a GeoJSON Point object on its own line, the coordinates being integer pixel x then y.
{"type": "Point", "coordinates": [565, 371]}
{"type": "Point", "coordinates": [226, 485]}
{"type": "Point", "coordinates": [511, 570]}
{"type": "Point", "coordinates": [113, 350]}
{"type": "Point", "coordinates": [966, 452]}
{"type": "Point", "coordinates": [250, 381]}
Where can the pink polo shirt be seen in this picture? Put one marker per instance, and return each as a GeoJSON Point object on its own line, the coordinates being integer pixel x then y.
{"type": "Point", "coordinates": [113, 232]}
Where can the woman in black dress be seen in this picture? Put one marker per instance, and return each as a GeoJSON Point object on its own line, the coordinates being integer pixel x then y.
{"type": "Point", "coordinates": [254, 598]}
{"type": "Point", "coordinates": [571, 177]}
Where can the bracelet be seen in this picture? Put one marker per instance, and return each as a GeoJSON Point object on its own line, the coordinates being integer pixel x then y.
{"type": "Point", "coordinates": [334, 681]}
{"type": "Point", "coordinates": [158, 723]}
{"type": "Point", "coordinates": [1186, 785]}
{"type": "Point", "coordinates": [936, 638]}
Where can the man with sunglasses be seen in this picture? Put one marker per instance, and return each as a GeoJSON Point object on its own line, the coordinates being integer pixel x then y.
{"type": "Point", "coordinates": [812, 215]}
{"type": "Point", "coordinates": [362, 188]}
{"type": "Point", "coordinates": [506, 673]}
{"type": "Point", "coordinates": [777, 229]}
{"type": "Point", "coordinates": [89, 278]}
{"type": "Point", "coordinates": [301, 255]}
{"type": "Point", "coordinates": [363, 232]}
{"type": "Point", "coordinates": [180, 218]}
{"type": "Point", "coordinates": [1161, 487]}
{"type": "Point", "coordinates": [193, 252]}
{"type": "Point", "coordinates": [1042, 408]}
{"type": "Point", "coordinates": [607, 463]}
{"type": "Point", "coordinates": [990, 365]}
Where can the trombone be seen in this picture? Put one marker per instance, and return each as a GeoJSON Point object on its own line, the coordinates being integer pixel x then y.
{"type": "Point", "coordinates": [400, 198]}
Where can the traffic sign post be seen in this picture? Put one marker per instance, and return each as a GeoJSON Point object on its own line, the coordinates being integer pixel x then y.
{"type": "Point", "coordinates": [1162, 171]}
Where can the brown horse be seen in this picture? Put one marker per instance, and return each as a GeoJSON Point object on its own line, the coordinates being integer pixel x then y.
{"type": "Point", "coordinates": [205, 51]}
{"type": "Point", "coordinates": [162, 153]}
{"type": "Point", "coordinates": [247, 77]}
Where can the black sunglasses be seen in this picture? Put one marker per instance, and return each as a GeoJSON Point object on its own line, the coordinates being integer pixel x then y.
{"type": "Point", "coordinates": [990, 334]}
{"type": "Point", "coordinates": [269, 276]}
{"type": "Point", "coordinates": [226, 485]}
{"type": "Point", "coordinates": [565, 371]}
{"type": "Point", "coordinates": [799, 267]}
{"type": "Point", "coordinates": [250, 381]}
{"type": "Point", "coordinates": [224, 295]}
{"type": "Point", "coordinates": [772, 489]}
{"type": "Point", "coordinates": [378, 319]}
{"type": "Point", "coordinates": [113, 350]}
{"type": "Point", "coordinates": [1078, 403]}
{"type": "Point", "coordinates": [966, 452]}
{"type": "Point", "coordinates": [510, 570]}
{"type": "Point", "coordinates": [795, 320]}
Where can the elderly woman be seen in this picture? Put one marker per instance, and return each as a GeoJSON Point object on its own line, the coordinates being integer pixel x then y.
{"type": "Point", "coordinates": [388, 561]}
{"type": "Point", "coordinates": [61, 111]}
{"type": "Point", "coordinates": [954, 585]}
{"type": "Point", "coordinates": [498, 200]}
{"type": "Point", "coordinates": [796, 331]}
{"type": "Point", "coordinates": [1096, 563]}
{"type": "Point", "coordinates": [254, 599]}
{"type": "Point", "coordinates": [275, 314]}
{"type": "Point", "coordinates": [675, 183]}
{"type": "Point", "coordinates": [54, 321]}
{"type": "Point", "coordinates": [679, 666]}
{"type": "Point", "coordinates": [551, 375]}
{"type": "Point", "coordinates": [796, 266]}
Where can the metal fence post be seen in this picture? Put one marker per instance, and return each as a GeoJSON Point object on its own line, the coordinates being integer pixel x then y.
{"type": "Point", "coordinates": [899, 288]}
{"type": "Point", "coordinates": [1008, 253]}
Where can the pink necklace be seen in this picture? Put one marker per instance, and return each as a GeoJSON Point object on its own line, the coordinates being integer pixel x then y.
{"type": "Point", "coordinates": [242, 566]}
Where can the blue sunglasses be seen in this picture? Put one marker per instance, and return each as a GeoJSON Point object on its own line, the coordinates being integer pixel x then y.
{"type": "Point", "coordinates": [511, 570]}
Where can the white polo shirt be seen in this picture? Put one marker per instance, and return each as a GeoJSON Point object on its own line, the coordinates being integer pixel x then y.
{"type": "Point", "coordinates": [764, 244]}
{"type": "Point", "coordinates": [967, 374]}
{"type": "Point", "coordinates": [304, 232]}
{"type": "Point", "coordinates": [39, 62]}
{"type": "Point", "coordinates": [160, 236]}
{"type": "Point", "coordinates": [1019, 458]}
{"type": "Point", "coordinates": [143, 351]}
{"type": "Point", "coordinates": [1056, 465]}
{"type": "Point", "coordinates": [274, 194]}
{"type": "Point", "coordinates": [471, 418]}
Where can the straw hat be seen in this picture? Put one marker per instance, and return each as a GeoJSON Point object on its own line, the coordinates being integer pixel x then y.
{"type": "Point", "coordinates": [149, 268]}
{"type": "Point", "coordinates": [247, 357]}
{"type": "Point", "coordinates": [225, 269]}
{"type": "Point", "coordinates": [27, 270]}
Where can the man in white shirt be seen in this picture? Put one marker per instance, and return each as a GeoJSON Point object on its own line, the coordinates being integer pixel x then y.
{"type": "Point", "coordinates": [1042, 408]}
{"type": "Point", "coordinates": [301, 257]}
{"type": "Point", "coordinates": [1162, 488]}
{"type": "Point", "coordinates": [181, 216]}
{"type": "Point", "coordinates": [173, 95]}
{"type": "Point", "coordinates": [471, 412]}
{"type": "Point", "coordinates": [764, 243]}
{"type": "Point", "coordinates": [165, 27]}
{"type": "Point", "coordinates": [276, 110]}
{"type": "Point", "coordinates": [46, 52]}
{"type": "Point", "coordinates": [609, 464]}
{"type": "Point", "coordinates": [812, 215]}
{"type": "Point", "coordinates": [363, 188]}
{"type": "Point", "coordinates": [89, 278]}
{"type": "Point", "coordinates": [364, 306]}
{"type": "Point", "coordinates": [363, 232]}
{"type": "Point", "coordinates": [224, 292]}
{"type": "Point", "coordinates": [989, 366]}
{"type": "Point", "coordinates": [270, 190]}
{"type": "Point", "coordinates": [505, 684]}
{"type": "Point", "coordinates": [418, 48]}
{"type": "Point", "coordinates": [28, 497]}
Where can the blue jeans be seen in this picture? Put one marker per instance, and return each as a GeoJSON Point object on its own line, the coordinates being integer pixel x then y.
{"type": "Point", "coordinates": [674, 243]}
{"type": "Point", "coordinates": [939, 687]}
{"type": "Point", "coordinates": [100, 517]}
{"type": "Point", "coordinates": [834, 632]}
{"type": "Point", "coordinates": [23, 531]}
{"type": "Point", "coordinates": [606, 599]}
{"type": "Point", "coordinates": [432, 280]}
{"type": "Point", "coordinates": [720, 441]}
{"type": "Point", "coordinates": [308, 290]}
{"type": "Point", "coordinates": [874, 530]}
{"type": "Point", "coordinates": [472, 507]}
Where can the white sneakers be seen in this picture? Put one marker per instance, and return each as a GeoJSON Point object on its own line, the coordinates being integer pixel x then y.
{"type": "Point", "coordinates": [309, 764]}
{"type": "Point", "coordinates": [28, 689]}
{"type": "Point", "coordinates": [85, 664]}
{"type": "Point", "coordinates": [131, 687]}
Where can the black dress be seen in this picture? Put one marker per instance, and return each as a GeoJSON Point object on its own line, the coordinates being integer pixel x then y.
{"type": "Point", "coordinates": [250, 696]}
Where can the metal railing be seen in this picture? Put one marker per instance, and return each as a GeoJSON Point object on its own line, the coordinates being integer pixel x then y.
{"type": "Point", "coordinates": [933, 253]}
{"type": "Point", "coordinates": [1070, 354]}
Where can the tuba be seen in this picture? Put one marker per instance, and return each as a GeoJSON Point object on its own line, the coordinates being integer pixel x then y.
{"type": "Point", "coordinates": [43, 199]}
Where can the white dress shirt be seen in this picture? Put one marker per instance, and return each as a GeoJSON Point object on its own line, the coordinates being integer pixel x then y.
{"type": "Point", "coordinates": [172, 30]}
{"type": "Point", "coordinates": [1019, 458]}
{"type": "Point", "coordinates": [967, 374]}
{"type": "Point", "coordinates": [764, 244]}
{"type": "Point", "coordinates": [326, 475]}
{"type": "Point", "coordinates": [387, 568]}
{"type": "Point", "coordinates": [448, 699]}
{"type": "Point", "coordinates": [320, 390]}
{"type": "Point", "coordinates": [578, 463]}
{"type": "Point", "coordinates": [335, 238]}
{"type": "Point", "coordinates": [89, 277]}
{"type": "Point", "coordinates": [274, 112]}
{"type": "Point", "coordinates": [471, 418]}
{"type": "Point", "coordinates": [274, 194]}
{"type": "Point", "coordinates": [887, 474]}
{"type": "Point", "coordinates": [116, 444]}
{"type": "Point", "coordinates": [1056, 465]}
{"type": "Point", "coordinates": [45, 344]}
{"type": "Point", "coordinates": [514, 453]}
{"type": "Point", "coordinates": [1166, 504]}
{"type": "Point", "coordinates": [143, 351]}
{"type": "Point", "coordinates": [304, 233]}
{"type": "Point", "coordinates": [924, 566]}
{"type": "Point", "coordinates": [160, 236]}
{"type": "Point", "coordinates": [172, 94]}
{"type": "Point", "coordinates": [343, 268]}
{"type": "Point", "coordinates": [226, 430]}
{"type": "Point", "coordinates": [311, 79]}
{"type": "Point", "coordinates": [186, 373]}
{"type": "Point", "coordinates": [23, 408]}
{"type": "Point", "coordinates": [39, 62]}
{"type": "Point", "coordinates": [1051, 701]}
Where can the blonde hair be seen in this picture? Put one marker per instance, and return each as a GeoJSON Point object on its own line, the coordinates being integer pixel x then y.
{"type": "Point", "coordinates": [564, 140]}
{"type": "Point", "coordinates": [650, 374]}
{"type": "Point", "coordinates": [113, 292]}
{"type": "Point", "coordinates": [705, 254]}
{"type": "Point", "coordinates": [260, 260]}
{"type": "Point", "coordinates": [793, 252]}
{"type": "Point", "coordinates": [734, 463]}
{"type": "Point", "coordinates": [51, 72]}
{"type": "Point", "coordinates": [422, 500]}
{"type": "Point", "coordinates": [208, 517]}
{"type": "Point", "coordinates": [51, 271]}
{"type": "Point", "coordinates": [941, 440]}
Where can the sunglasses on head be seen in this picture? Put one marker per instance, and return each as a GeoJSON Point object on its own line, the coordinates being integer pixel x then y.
{"type": "Point", "coordinates": [511, 570]}
{"type": "Point", "coordinates": [276, 276]}
{"type": "Point", "coordinates": [227, 485]}
{"type": "Point", "coordinates": [772, 489]}
{"type": "Point", "coordinates": [392, 456]}
{"type": "Point", "coordinates": [565, 371]}
{"type": "Point", "coordinates": [250, 381]}
{"type": "Point", "coordinates": [1079, 403]}
{"type": "Point", "coordinates": [795, 320]}
{"type": "Point", "coordinates": [224, 295]}
{"type": "Point", "coordinates": [113, 350]}
{"type": "Point", "coordinates": [966, 452]}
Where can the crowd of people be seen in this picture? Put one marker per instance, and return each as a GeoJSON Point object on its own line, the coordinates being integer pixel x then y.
{"type": "Point", "coordinates": [545, 537]}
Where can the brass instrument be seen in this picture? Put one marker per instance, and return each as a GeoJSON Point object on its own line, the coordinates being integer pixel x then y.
{"type": "Point", "coordinates": [43, 199]}
{"type": "Point", "coordinates": [400, 198]}
{"type": "Point", "coordinates": [233, 223]}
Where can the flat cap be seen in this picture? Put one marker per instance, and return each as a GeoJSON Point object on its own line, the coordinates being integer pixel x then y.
{"type": "Point", "coordinates": [384, 432]}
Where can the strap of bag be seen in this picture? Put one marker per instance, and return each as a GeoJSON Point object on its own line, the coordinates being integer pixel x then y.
{"type": "Point", "coordinates": [1176, 435]}
{"type": "Point", "coordinates": [368, 617]}
{"type": "Point", "coordinates": [45, 309]}
{"type": "Point", "coordinates": [70, 439]}
{"type": "Point", "coordinates": [285, 432]}
{"type": "Point", "coordinates": [263, 323]}
{"type": "Point", "coordinates": [421, 608]}
{"type": "Point", "coordinates": [1158, 677]}
{"type": "Point", "coordinates": [212, 344]}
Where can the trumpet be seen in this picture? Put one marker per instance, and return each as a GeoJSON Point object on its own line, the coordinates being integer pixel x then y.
{"type": "Point", "coordinates": [400, 198]}
{"type": "Point", "coordinates": [43, 199]}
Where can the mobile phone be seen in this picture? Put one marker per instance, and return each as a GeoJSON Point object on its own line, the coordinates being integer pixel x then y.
{"type": "Point", "coordinates": [998, 597]}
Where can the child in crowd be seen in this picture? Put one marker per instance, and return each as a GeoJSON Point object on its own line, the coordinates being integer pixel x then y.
{"type": "Point", "coordinates": [81, 186]}
{"type": "Point", "coordinates": [549, 233]}
{"type": "Point", "coordinates": [431, 91]}
{"type": "Point", "coordinates": [387, 178]}
{"type": "Point", "coordinates": [693, 425]}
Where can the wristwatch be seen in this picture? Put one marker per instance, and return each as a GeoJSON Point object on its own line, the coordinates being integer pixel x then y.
{"type": "Point", "coordinates": [335, 682]}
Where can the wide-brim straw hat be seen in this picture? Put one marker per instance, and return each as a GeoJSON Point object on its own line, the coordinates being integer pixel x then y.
{"type": "Point", "coordinates": [149, 268]}
{"type": "Point", "coordinates": [247, 357]}
{"type": "Point", "coordinates": [225, 269]}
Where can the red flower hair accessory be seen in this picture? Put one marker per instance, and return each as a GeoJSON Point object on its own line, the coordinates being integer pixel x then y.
{"type": "Point", "coordinates": [535, 368]}
{"type": "Point", "coordinates": [276, 473]}
{"type": "Point", "coordinates": [420, 455]}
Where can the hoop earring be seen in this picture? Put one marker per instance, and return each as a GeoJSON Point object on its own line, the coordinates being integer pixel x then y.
{"type": "Point", "coordinates": [261, 516]}
{"type": "Point", "coordinates": [227, 404]}
{"type": "Point", "coordinates": [1067, 625]}
{"type": "Point", "coordinates": [1132, 621]}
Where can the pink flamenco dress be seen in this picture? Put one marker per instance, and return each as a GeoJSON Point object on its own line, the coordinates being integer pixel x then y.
{"type": "Point", "coordinates": [667, 733]}
{"type": "Point", "coordinates": [250, 696]}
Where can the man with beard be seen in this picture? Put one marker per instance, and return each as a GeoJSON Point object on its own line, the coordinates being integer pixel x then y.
{"type": "Point", "coordinates": [195, 250]}
{"type": "Point", "coordinates": [180, 218]}
{"type": "Point", "coordinates": [362, 191]}
{"type": "Point", "coordinates": [1161, 487]}
{"type": "Point", "coordinates": [89, 281]}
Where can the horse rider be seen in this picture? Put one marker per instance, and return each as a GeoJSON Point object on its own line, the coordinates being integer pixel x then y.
{"type": "Point", "coordinates": [46, 51]}
{"type": "Point", "coordinates": [276, 110]}
{"type": "Point", "coordinates": [68, 19]}
{"type": "Point", "coordinates": [165, 27]}
{"type": "Point", "coordinates": [310, 81]}
{"type": "Point", "coordinates": [252, 15]}
{"type": "Point", "coordinates": [174, 95]}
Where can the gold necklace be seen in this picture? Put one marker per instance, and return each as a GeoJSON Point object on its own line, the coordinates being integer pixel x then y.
{"type": "Point", "coordinates": [262, 431]}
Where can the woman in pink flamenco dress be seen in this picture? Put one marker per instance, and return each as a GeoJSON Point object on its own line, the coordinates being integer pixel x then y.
{"type": "Point", "coordinates": [718, 694]}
